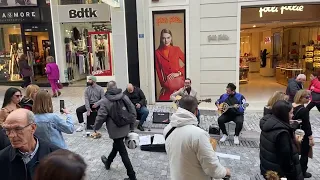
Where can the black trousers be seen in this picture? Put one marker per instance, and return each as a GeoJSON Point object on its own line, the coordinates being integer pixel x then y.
{"type": "Point", "coordinates": [313, 104]}
{"type": "Point", "coordinates": [82, 109]}
{"type": "Point", "coordinates": [118, 146]}
{"type": "Point", "coordinates": [305, 148]}
{"type": "Point", "coordinates": [225, 118]}
{"type": "Point", "coordinates": [26, 82]}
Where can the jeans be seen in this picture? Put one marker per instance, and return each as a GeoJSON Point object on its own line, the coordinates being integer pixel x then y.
{"type": "Point", "coordinates": [225, 118]}
{"type": "Point", "coordinates": [26, 82]}
{"type": "Point", "coordinates": [118, 146]}
{"type": "Point", "coordinates": [313, 104]}
{"type": "Point", "coordinates": [143, 112]}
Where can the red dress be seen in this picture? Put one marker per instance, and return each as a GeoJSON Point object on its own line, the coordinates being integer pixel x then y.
{"type": "Point", "coordinates": [167, 62]}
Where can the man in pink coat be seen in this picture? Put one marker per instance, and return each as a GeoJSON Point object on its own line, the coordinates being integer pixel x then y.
{"type": "Point", "coordinates": [52, 71]}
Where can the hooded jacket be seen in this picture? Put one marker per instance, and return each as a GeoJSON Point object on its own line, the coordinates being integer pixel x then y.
{"type": "Point", "coordinates": [114, 131]}
{"type": "Point", "coordinates": [277, 150]}
{"type": "Point", "coordinates": [292, 88]}
{"type": "Point", "coordinates": [190, 153]}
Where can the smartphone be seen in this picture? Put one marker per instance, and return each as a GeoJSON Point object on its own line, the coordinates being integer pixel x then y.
{"type": "Point", "coordinates": [61, 106]}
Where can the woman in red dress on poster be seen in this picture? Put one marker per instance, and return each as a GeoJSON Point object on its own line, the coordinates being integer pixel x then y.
{"type": "Point", "coordinates": [170, 71]}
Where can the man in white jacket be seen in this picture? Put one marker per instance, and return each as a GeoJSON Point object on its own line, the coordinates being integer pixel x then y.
{"type": "Point", "coordinates": [190, 153]}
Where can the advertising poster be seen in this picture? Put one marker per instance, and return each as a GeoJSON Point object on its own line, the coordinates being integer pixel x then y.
{"type": "Point", "coordinates": [169, 35]}
{"type": "Point", "coordinates": [13, 3]}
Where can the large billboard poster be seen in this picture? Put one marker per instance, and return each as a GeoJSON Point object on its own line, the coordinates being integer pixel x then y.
{"type": "Point", "coordinates": [13, 3]}
{"type": "Point", "coordinates": [169, 36]}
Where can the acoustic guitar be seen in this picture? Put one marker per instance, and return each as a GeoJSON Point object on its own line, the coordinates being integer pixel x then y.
{"type": "Point", "coordinates": [178, 98]}
{"type": "Point", "coordinates": [224, 107]}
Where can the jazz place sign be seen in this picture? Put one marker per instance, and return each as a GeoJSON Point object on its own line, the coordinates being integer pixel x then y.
{"type": "Point", "coordinates": [281, 9]}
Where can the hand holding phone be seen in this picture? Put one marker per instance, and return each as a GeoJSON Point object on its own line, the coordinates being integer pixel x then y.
{"type": "Point", "coordinates": [62, 106]}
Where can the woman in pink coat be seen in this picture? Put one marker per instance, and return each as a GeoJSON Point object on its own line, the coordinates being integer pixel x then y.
{"type": "Point", "coordinates": [52, 72]}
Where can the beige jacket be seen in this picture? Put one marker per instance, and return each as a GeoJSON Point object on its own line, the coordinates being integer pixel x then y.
{"type": "Point", "coordinates": [183, 92]}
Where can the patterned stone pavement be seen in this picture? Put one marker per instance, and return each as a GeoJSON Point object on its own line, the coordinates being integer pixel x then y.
{"type": "Point", "coordinates": [154, 166]}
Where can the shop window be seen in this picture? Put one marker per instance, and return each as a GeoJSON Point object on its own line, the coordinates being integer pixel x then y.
{"type": "Point", "coordinates": [67, 2]}
{"type": "Point", "coordinates": [11, 49]}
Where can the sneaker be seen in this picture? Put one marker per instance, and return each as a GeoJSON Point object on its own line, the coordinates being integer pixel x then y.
{"type": "Point", "coordinates": [236, 140]}
{"type": "Point", "coordinates": [105, 162]}
{"type": "Point", "coordinates": [80, 128]}
{"type": "Point", "coordinates": [140, 127]}
{"type": "Point", "coordinates": [307, 175]}
{"type": "Point", "coordinates": [224, 138]}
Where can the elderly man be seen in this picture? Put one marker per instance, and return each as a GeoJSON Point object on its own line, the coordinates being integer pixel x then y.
{"type": "Point", "coordinates": [92, 95]}
{"type": "Point", "coordinates": [294, 85]}
{"type": "Point", "coordinates": [138, 99]}
{"type": "Point", "coordinates": [20, 159]}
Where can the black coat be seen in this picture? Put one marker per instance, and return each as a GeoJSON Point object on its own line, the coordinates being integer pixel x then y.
{"type": "Point", "coordinates": [137, 96]}
{"type": "Point", "coordinates": [292, 88]}
{"type": "Point", "coordinates": [278, 151]}
{"type": "Point", "coordinates": [4, 141]}
{"type": "Point", "coordinates": [12, 166]}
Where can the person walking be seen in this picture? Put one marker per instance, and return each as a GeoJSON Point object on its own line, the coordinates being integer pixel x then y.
{"type": "Point", "coordinates": [278, 151]}
{"type": "Point", "coordinates": [52, 71]}
{"type": "Point", "coordinates": [314, 89]}
{"type": "Point", "coordinates": [12, 97]}
{"type": "Point", "coordinates": [113, 96]}
{"type": "Point", "coordinates": [294, 85]}
{"type": "Point", "coordinates": [25, 71]}
{"type": "Point", "coordinates": [302, 113]}
{"type": "Point", "coordinates": [49, 125]}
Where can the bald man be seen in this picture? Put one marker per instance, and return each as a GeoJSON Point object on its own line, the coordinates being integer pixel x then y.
{"type": "Point", "coordinates": [138, 98]}
{"type": "Point", "coordinates": [20, 159]}
{"type": "Point", "coordinates": [294, 85]}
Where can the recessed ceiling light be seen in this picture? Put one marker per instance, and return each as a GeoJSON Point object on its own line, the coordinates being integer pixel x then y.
{"type": "Point", "coordinates": [254, 26]}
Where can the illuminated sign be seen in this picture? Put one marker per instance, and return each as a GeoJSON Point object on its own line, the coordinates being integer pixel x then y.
{"type": "Point", "coordinates": [275, 9]}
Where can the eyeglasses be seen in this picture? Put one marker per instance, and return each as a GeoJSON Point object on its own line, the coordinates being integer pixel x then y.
{"type": "Point", "coordinates": [18, 130]}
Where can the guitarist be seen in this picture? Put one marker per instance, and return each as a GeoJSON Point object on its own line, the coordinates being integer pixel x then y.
{"type": "Point", "coordinates": [231, 97]}
{"type": "Point", "coordinates": [184, 91]}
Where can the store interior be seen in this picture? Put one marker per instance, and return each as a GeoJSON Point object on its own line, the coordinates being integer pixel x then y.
{"type": "Point", "coordinates": [275, 48]}
{"type": "Point", "coordinates": [88, 49]}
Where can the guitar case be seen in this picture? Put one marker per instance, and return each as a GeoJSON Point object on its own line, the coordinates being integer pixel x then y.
{"type": "Point", "coordinates": [153, 147]}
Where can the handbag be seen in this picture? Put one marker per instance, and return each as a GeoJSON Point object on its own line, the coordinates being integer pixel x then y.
{"type": "Point", "coordinates": [59, 85]}
{"type": "Point", "coordinates": [173, 84]}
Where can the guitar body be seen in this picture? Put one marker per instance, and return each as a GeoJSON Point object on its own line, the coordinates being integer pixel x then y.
{"type": "Point", "coordinates": [224, 107]}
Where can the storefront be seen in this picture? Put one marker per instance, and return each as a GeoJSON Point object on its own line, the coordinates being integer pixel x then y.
{"type": "Point", "coordinates": [85, 42]}
{"type": "Point", "coordinates": [217, 44]}
{"type": "Point", "coordinates": [26, 30]}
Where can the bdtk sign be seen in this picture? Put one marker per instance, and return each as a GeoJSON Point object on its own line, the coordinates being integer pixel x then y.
{"type": "Point", "coordinates": [83, 13]}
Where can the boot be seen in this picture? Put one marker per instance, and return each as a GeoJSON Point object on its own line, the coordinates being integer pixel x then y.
{"type": "Point", "coordinates": [140, 127]}
{"type": "Point", "coordinates": [105, 162]}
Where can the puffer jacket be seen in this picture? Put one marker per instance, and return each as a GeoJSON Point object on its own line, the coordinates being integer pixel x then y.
{"type": "Point", "coordinates": [270, 155]}
{"type": "Point", "coordinates": [190, 153]}
{"type": "Point", "coordinates": [114, 131]}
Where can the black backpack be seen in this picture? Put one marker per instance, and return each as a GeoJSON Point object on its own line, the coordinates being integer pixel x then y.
{"type": "Point", "coordinates": [120, 114]}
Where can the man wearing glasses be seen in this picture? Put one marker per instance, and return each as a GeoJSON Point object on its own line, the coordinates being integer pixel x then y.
{"type": "Point", "coordinates": [20, 159]}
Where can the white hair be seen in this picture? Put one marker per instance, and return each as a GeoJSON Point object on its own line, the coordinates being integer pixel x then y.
{"type": "Point", "coordinates": [301, 76]}
{"type": "Point", "coordinates": [30, 117]}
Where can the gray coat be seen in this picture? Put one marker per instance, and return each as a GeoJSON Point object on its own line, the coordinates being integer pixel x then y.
{"type": "Point", "coordinates": [114, 131]}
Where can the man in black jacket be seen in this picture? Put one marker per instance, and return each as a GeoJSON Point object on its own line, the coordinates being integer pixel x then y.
{"type": "Point", "coordinates": [138, 99]}
{"type": "Point", "coordinates": [20, 159]}
{"type": "Point", "coordinates": [294, 85]}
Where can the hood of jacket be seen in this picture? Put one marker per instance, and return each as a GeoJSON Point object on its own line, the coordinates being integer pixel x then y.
{"type": "Point", "coordinates": [114, 94]}
{"type": "Point", "coordinates": [183, 117]}
{"type": "Point", "coordinates": [269, 123]}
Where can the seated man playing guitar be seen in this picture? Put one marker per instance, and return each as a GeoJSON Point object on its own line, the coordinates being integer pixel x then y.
{"type": "Point", "coordinates": [236, 104]}
{"type": "Point", "coordinates": [186, 90]}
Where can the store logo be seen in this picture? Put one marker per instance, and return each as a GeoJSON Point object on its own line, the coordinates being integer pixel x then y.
{"type": "Point", "coordinates": [83, 13]}
{"type": "Point", "coordinates": [282, 9]}
{"type": "Point", "coordinates": [220, 37]}
{"type": "Point", "coordinates": [18, 15]}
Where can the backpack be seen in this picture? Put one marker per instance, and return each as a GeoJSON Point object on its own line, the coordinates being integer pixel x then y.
{"type": "Point", "coordinates": [120, 114]}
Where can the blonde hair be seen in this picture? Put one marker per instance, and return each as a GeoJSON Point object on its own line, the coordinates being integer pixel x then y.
{"type": "Point", "coordinates": [42, 103]}
{"type": "Point", "coordinates": [50, 59]}
{"type": "Point", "coordinates": [32, 88]}
{"type": "Point", "coordinates": [278, 95]}
{"type": "Point", "coordinates": [300, 95]}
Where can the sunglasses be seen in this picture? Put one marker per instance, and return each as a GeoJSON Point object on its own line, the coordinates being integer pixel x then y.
{"type": "Point", "coordinates": [18, 96]}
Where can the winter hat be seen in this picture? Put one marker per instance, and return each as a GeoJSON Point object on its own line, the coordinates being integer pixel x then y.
{"type": "Point", "coordinates": [93, 78]}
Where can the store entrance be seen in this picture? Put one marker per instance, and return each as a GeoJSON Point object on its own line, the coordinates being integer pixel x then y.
{"type": "Point", "coordinates": [275, 47]}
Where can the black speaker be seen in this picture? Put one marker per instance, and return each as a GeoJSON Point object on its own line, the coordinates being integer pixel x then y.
{"type": "Point", "coordinates": [161, 117]}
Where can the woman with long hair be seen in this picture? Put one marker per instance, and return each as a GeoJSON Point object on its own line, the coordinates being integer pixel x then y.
{"type": "Point", "coordinates": [278, 151]}
{"type": "Point", "coordinates": [31, 92]}
{"type": "Point", "coordinates": [314, 88]}
{"type": "Point", "coordinates": [300, 112]}
{"type": "Point", "coordinates": [12, 97]}
{"type": "Point", "coordinates": [169, 70]}
{"type": "Point", "coordinates": [61, 165]}
{"type": "Point", "coordinates": [278, 95]}
{"type": "Point", "coordinates": [52, 71]}
{"type": "Point", "coordinates": [25, 71]}
{"type": "Point", "coordinates": [49, 125]}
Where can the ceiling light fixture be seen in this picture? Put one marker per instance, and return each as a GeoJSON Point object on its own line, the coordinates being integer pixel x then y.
{"type": "Point", "coordinates": [254, 26]}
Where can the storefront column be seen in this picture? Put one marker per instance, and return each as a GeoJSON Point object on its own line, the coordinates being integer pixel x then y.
{"type": "Point", "coordinates": [120, 57]}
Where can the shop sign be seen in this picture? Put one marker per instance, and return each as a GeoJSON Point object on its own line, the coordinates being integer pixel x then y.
{"type": "Point", "coordinates": [112, 3]}
{"type": "Point", "coordinates": [275, 9]}
{"type": "Point", "coordinates": [220, 37]}
{"type": "Point", "coordinates": [84, 13]}
{"type": "Point", "coordinates": [19, 15]}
